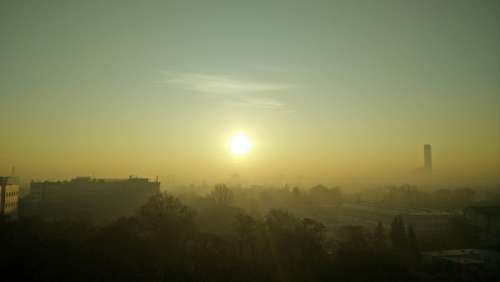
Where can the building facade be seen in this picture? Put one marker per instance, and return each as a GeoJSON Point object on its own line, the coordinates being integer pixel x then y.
{"type": "Point", "coordinates": [9, 196]}
{"type": "Point", "coordinates": [429, 225]}
{"type": "Point", "coordinates": [89, 198]}
{"type": "Point", "coordinates": [463, 264]}
{"type": "Point", "coordinates": [486, 221]}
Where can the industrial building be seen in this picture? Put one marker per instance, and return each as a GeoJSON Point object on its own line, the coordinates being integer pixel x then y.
{"type": "Point", "coordinates": [89, 198]}
{"type": "Point", "coordinates": [463, 264]}
{"type": "Point", "coordinates": [427, 223]}
{"type": "Point", "coordinates": [486, 221]}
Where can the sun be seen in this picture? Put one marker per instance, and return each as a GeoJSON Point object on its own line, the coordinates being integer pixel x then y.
{"type": "Point", "coordinates": [239, 144]}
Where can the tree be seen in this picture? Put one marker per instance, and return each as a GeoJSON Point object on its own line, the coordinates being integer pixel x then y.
{"type": "Point", "coordinates": [413, 248]}
{"type": "Point", "coordinates": [218, 215]}
{"type": "Point", "coordinates": [353, 248]}
{"type": "Point", "coordinates": [246, 231]}
{"type": "Point", "coordinates": [297, 195]}
{"type": "Point", "coordinates": [280, 227]}
{"type": "Point", "coordinates": [296, 246]}
{"type": "Point", "coordinates": [222, 195]}
{"type": "Point", "coordinates": [313, 229]}
{"type": "Point", "coordinates": [311, 238]}
{"type": "Point", "coordinates": [323, 195]}
{"type": "Point", "coordinates": [398, 234]}
{"type": "Point", "coordinates": [166, 215]}
{"type": "Point", "coordinates": [463, 197]}
{"type": "Point", "coordinates": [442, 197]}
{"type": "Point", "coordinates": [379, 236]}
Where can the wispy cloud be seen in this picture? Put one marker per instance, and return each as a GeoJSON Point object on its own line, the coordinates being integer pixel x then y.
{"type": "Point", "coordinates": [220, 84]}
{"type": "Point", "coordinates": [258, 102]}
{"type": "Point", "coordinates": [234, 90]}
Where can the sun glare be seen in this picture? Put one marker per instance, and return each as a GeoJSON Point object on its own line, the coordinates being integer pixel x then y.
{"type": "Point", "coordinates": [239, 144]}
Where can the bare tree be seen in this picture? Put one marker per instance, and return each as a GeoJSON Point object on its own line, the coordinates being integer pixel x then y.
{"type": "Point", "coordinates": [222, 195]}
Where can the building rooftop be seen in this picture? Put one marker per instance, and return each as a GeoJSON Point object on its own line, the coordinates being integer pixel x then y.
{"type": "Point", "coordinates": [463, 260]}
{"type": "Point", "coordinates": [457, 252]}
{"type": "Point", "coordinates": [4, 180]}
{"type": "Point", "coordinates": [86, 179]}
{"type": "Point", "coordinates": [486, 210]}
{"type": "Point", "coordinates": [395, 211]}
{"type": "Point", "coordinates": [466, 256]}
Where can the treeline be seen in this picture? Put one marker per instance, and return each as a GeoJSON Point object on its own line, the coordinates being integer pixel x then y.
{"type": "Point", "coordinates": [256, 199]}
{"type": "Point", "coordinates": [167, 241]}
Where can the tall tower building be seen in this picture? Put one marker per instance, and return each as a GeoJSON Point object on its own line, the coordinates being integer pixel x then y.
{"type": "Point", "coordinates": [428, 158]}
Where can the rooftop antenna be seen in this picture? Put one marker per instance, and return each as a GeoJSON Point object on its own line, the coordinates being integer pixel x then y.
{"type": "Point", "coordinates": [13, 171]}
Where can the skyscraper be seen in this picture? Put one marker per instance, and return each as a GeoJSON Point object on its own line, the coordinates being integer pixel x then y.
{"type": "Point", "coordinates": [428, 158]}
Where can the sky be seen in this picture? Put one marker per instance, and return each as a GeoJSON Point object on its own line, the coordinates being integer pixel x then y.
{"type": "Point", "coordinates": [323, 89]}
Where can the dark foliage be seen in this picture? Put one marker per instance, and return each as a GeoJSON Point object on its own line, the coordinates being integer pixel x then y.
{"type": "Point", "coordinates": [164, 243]}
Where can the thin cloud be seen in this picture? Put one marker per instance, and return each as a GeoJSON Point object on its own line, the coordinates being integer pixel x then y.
{"type": "Point", "coordinates": [233, 91]}
{"type": "Point", "coordinates": [220, 84]}
{"type": "Point", "coordinates": [258, 102]}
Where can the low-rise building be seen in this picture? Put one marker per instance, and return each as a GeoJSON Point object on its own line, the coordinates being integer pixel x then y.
{"type": "Point", "coordinates": [89, 198]}
{"type": "Point", "coordinates": [428, 224]}
{"type": "Point", "coordinates": [463, 264]}
{"type": "Point", "coordinates": [486, 219]}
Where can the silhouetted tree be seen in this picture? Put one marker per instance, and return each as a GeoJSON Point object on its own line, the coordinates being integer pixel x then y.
{"type": "Point", "coordinates": [352, 247]}
{"type": "Point", "coordinates": [443, 197]}
{"type": "Point", "coordinates": [246, 231]}
{"type": "Point", "coordinates": [413, 249]}
{"type": "Point", "coordinates": [311, 239]}
{"type": "Point", "coordinates": [463, 197]}
{"type": "Point", "coordinates": [297, 195]}
{"type": "Point", "coordinates": [161, 242]}
{"type": "Point", "coordinates": [218, 215]}
{"type": "Point", "coordinates": [222, 195]}
{"type": "Point", "coordinates": [398, 234]}
{"type": "Point", "coordinates": [323, 195]}
{"type": "Point", "coordinates": [169, 226]}
{"type": "Point", "coordinates": [379, 239]}
{"type": "Point", "coordinates": [165, 211]}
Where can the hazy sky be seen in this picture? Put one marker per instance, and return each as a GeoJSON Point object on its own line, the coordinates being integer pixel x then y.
{"type": "Point", "coordinates": [323, 88]}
